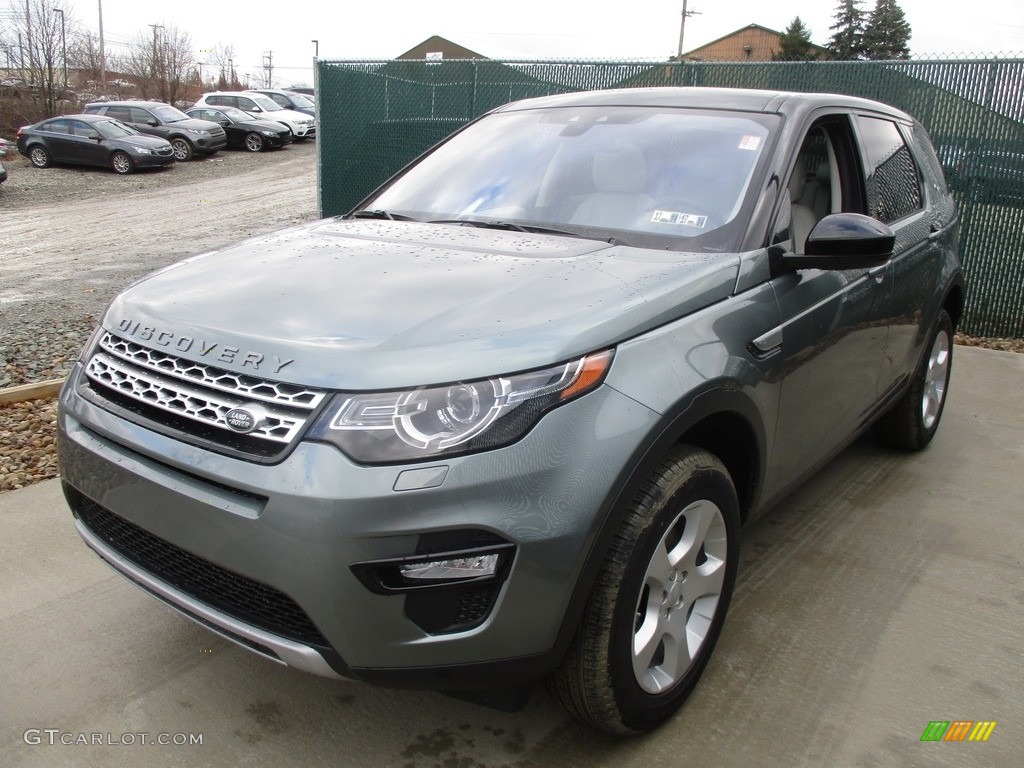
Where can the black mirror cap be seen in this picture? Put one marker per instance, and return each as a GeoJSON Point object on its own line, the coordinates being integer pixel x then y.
{"type": "Point", "coordinates": [845, 241]}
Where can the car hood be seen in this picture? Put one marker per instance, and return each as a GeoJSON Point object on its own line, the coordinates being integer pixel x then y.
{"type": "Point", "coordinates": [367, 305]}
{"type": "Point", "coordinates": [142, 140]}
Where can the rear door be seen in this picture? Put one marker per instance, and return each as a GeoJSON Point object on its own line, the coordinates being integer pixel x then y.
{"type": "Point", "coordinates": [895, 196]}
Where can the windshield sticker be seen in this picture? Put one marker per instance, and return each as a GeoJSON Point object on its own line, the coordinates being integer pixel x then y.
{"type": "Point", "coordinates": [750, 142]}
{"type": "Point", "coordinates": [681, 219]}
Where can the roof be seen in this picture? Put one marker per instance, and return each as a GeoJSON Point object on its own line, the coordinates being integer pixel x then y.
{"type": "Point", "coordinates": [728, 99]}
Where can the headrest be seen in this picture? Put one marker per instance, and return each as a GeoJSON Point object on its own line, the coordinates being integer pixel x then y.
{"type": "Point", "coordinates": [798, 181]}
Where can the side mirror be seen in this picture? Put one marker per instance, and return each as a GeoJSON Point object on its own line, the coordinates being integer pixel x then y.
{"type": "Point", "coordinates": [152, 123]}
{"type": "Point", "coordinates": [845, 241]}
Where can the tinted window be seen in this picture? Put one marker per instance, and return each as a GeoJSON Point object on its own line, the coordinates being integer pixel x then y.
{"type": "Point", "coordinates": [83, 129]}
{"type": "Point", "coordinates": [120, 113]}
{"type": "Point", "coordinates": [56, 126]}
{"type": "Point", "coordinates": [140, 115]}
{"type": "Point", "coordinates": [279, 99]}
{"type": "Point", "coordinates": [893, 183]}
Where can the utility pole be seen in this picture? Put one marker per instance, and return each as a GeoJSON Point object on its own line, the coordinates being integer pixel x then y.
{"type": "Point", "coordinates": [63, 46]}
{"type": "Point", "coordinates": [103, 57]}
{"type": "Point", "coordinates": [28, 36]}
{"type": "Point", "coordinates": [268, 67]}
{"type": "Point", "coordinates": [682, 29]}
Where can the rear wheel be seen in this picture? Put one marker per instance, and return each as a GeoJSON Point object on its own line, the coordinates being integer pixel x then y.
{"type": "Point", "coordinates": [121, 163]}
{"type": "Point", "coordinates": [660, 600]}
{"type": "Point", "coordinates": [254, 142]}
{"type": "Point", "coordinates": [183, 151]}
{"type": "Point", "coordinates": [39, 157]}
{"type": "Point", "coordinates": [913, 421]}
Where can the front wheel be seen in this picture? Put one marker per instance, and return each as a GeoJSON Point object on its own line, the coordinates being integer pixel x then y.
{"type": "Point", "coordinates": [660, 600]}
{"type": "Point", "coordinates": [121, 163]}
{"type": "Point", "coordinates": [913, 421]}
{"type": "Point", "coordinates": [254, 142]}
{"type": "Point", "coordinates": [183, 151]}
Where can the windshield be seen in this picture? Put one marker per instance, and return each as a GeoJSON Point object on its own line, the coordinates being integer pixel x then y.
{"type": "Point", "coordinates": [114, 129]}
{"type": "Point", "coordinates": [267, 104]}
{"type": "Point", "coordinates": [657, 177]}
{"type": "Point", "coordinates": [170, 114]}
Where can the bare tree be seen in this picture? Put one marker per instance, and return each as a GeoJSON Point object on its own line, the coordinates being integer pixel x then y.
{"type": "Point", "coordinates": [221, 61]}
{"type": "Point", "coordinates": [34, 42]}
{"type": "Point", "coordinates": [162, 63]}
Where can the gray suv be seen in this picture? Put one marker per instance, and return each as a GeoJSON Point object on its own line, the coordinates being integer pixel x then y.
{"type": "Point", "coordinates": [189, 137]}
{"type": "Point", "coordinates": [505, 421]}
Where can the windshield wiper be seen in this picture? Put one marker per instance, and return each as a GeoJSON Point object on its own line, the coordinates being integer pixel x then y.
{"type": "Point", "coordinates": [512, 226]}
{"type": "Point", "coordinates": [380, 213]}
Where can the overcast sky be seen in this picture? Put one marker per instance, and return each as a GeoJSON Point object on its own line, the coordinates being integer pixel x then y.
{"type": "Point", "coordinates": [532, 29]}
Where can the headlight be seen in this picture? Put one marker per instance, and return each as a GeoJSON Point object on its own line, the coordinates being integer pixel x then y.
{"type": "Point", "coordinates": [269, 133]}
{"type": "Point", "coordinates": [198, 131]}
{"type": "Point", "coordinates": [143, 150]}
{"type": "Point", "coordinates": [462, 417]}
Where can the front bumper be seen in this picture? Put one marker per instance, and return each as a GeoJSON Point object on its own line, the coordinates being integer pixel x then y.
{"type": "Point", "coordinates": [297, 528]}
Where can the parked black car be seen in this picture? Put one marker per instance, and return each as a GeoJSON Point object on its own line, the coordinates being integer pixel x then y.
{"type": "Point", "coordinates": [189, 137]}
{"type": "Point", "coordinates": [243, 130]}
{"type": "Point", "coordinates": [3, 173]}
{"type": "Point", "coordinates": [92, 140]}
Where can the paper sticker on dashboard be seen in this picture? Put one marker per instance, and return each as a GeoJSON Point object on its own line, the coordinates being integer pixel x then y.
{"type": "Point", "coordinates": [680, 219]}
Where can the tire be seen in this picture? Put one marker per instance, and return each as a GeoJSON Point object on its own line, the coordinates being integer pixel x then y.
{"type": "Point", "coordinates": [659, 602]}
{"type": "Point", "coordinates": [254, 142]}
{"type": "Point", "coordinates": [121, 163]}
{"type": "Point", "coordinates": [39, 157]}
{"type": "Point", "coordinates": [183, 151]}
{"type": "Point", "coordinates": [912, 422]}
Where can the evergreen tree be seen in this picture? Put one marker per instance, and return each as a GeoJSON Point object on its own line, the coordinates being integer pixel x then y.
{"type": "Point", "coordinates": [795, 43]}
{"type": "Point", "coordinates": [847, 41]}
{"type": "Point", "coordinates": [887, 32]}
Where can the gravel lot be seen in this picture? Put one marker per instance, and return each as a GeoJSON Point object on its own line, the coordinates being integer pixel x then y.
{"type": "Point", "coordinates": [73, 237]}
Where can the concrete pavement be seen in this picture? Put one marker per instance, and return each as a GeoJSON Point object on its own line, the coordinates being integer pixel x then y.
{"type": "Point", "coordinates": [886, 593]}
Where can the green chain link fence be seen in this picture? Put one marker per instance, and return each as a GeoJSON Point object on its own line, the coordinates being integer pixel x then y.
{"type": "Point", "coordinates": [376, 116]}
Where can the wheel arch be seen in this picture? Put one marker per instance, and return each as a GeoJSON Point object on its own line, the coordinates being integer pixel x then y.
{"type": "Point", "coordinates": [723, 420]}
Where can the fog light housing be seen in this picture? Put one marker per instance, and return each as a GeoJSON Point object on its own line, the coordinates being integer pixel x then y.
{"type": "Point", "coordinates": [452, 569]}
{"type": "Point", "coordinates": [447, 588]}
{"type": "Point", "coordinates": [436, 569]}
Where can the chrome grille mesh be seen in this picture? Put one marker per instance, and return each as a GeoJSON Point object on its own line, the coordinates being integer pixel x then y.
{"type": "Point", "coordinates": [201, 393]}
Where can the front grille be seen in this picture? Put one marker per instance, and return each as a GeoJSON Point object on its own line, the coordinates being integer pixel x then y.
{"type": "Point", "coordinates": [164, 151]}
{"type": "Point", "coordinates": [197, 400]}
{"type": "Point", "coordinates": [242, 598]}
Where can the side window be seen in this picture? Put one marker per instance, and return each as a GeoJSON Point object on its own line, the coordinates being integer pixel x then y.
{"type": "Point", "coordinates": [57, 126]}
{"type": "Point", "coordinates": [217, 101]}
{"type": "Point", "coordinates": [893, 183]}
{"type": "Point", "coordinates": [816, 182]}
{"type": "Point", "coordinates": [84, 129]}
{"type": "Point", "coordinates": [279, 99]}
{"type": "Point", "coordinates": [124, 114]}
{"type": "Point", "coordinates": [140, 115]}
{"type": "Point", "coordinates": [246, 104]}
